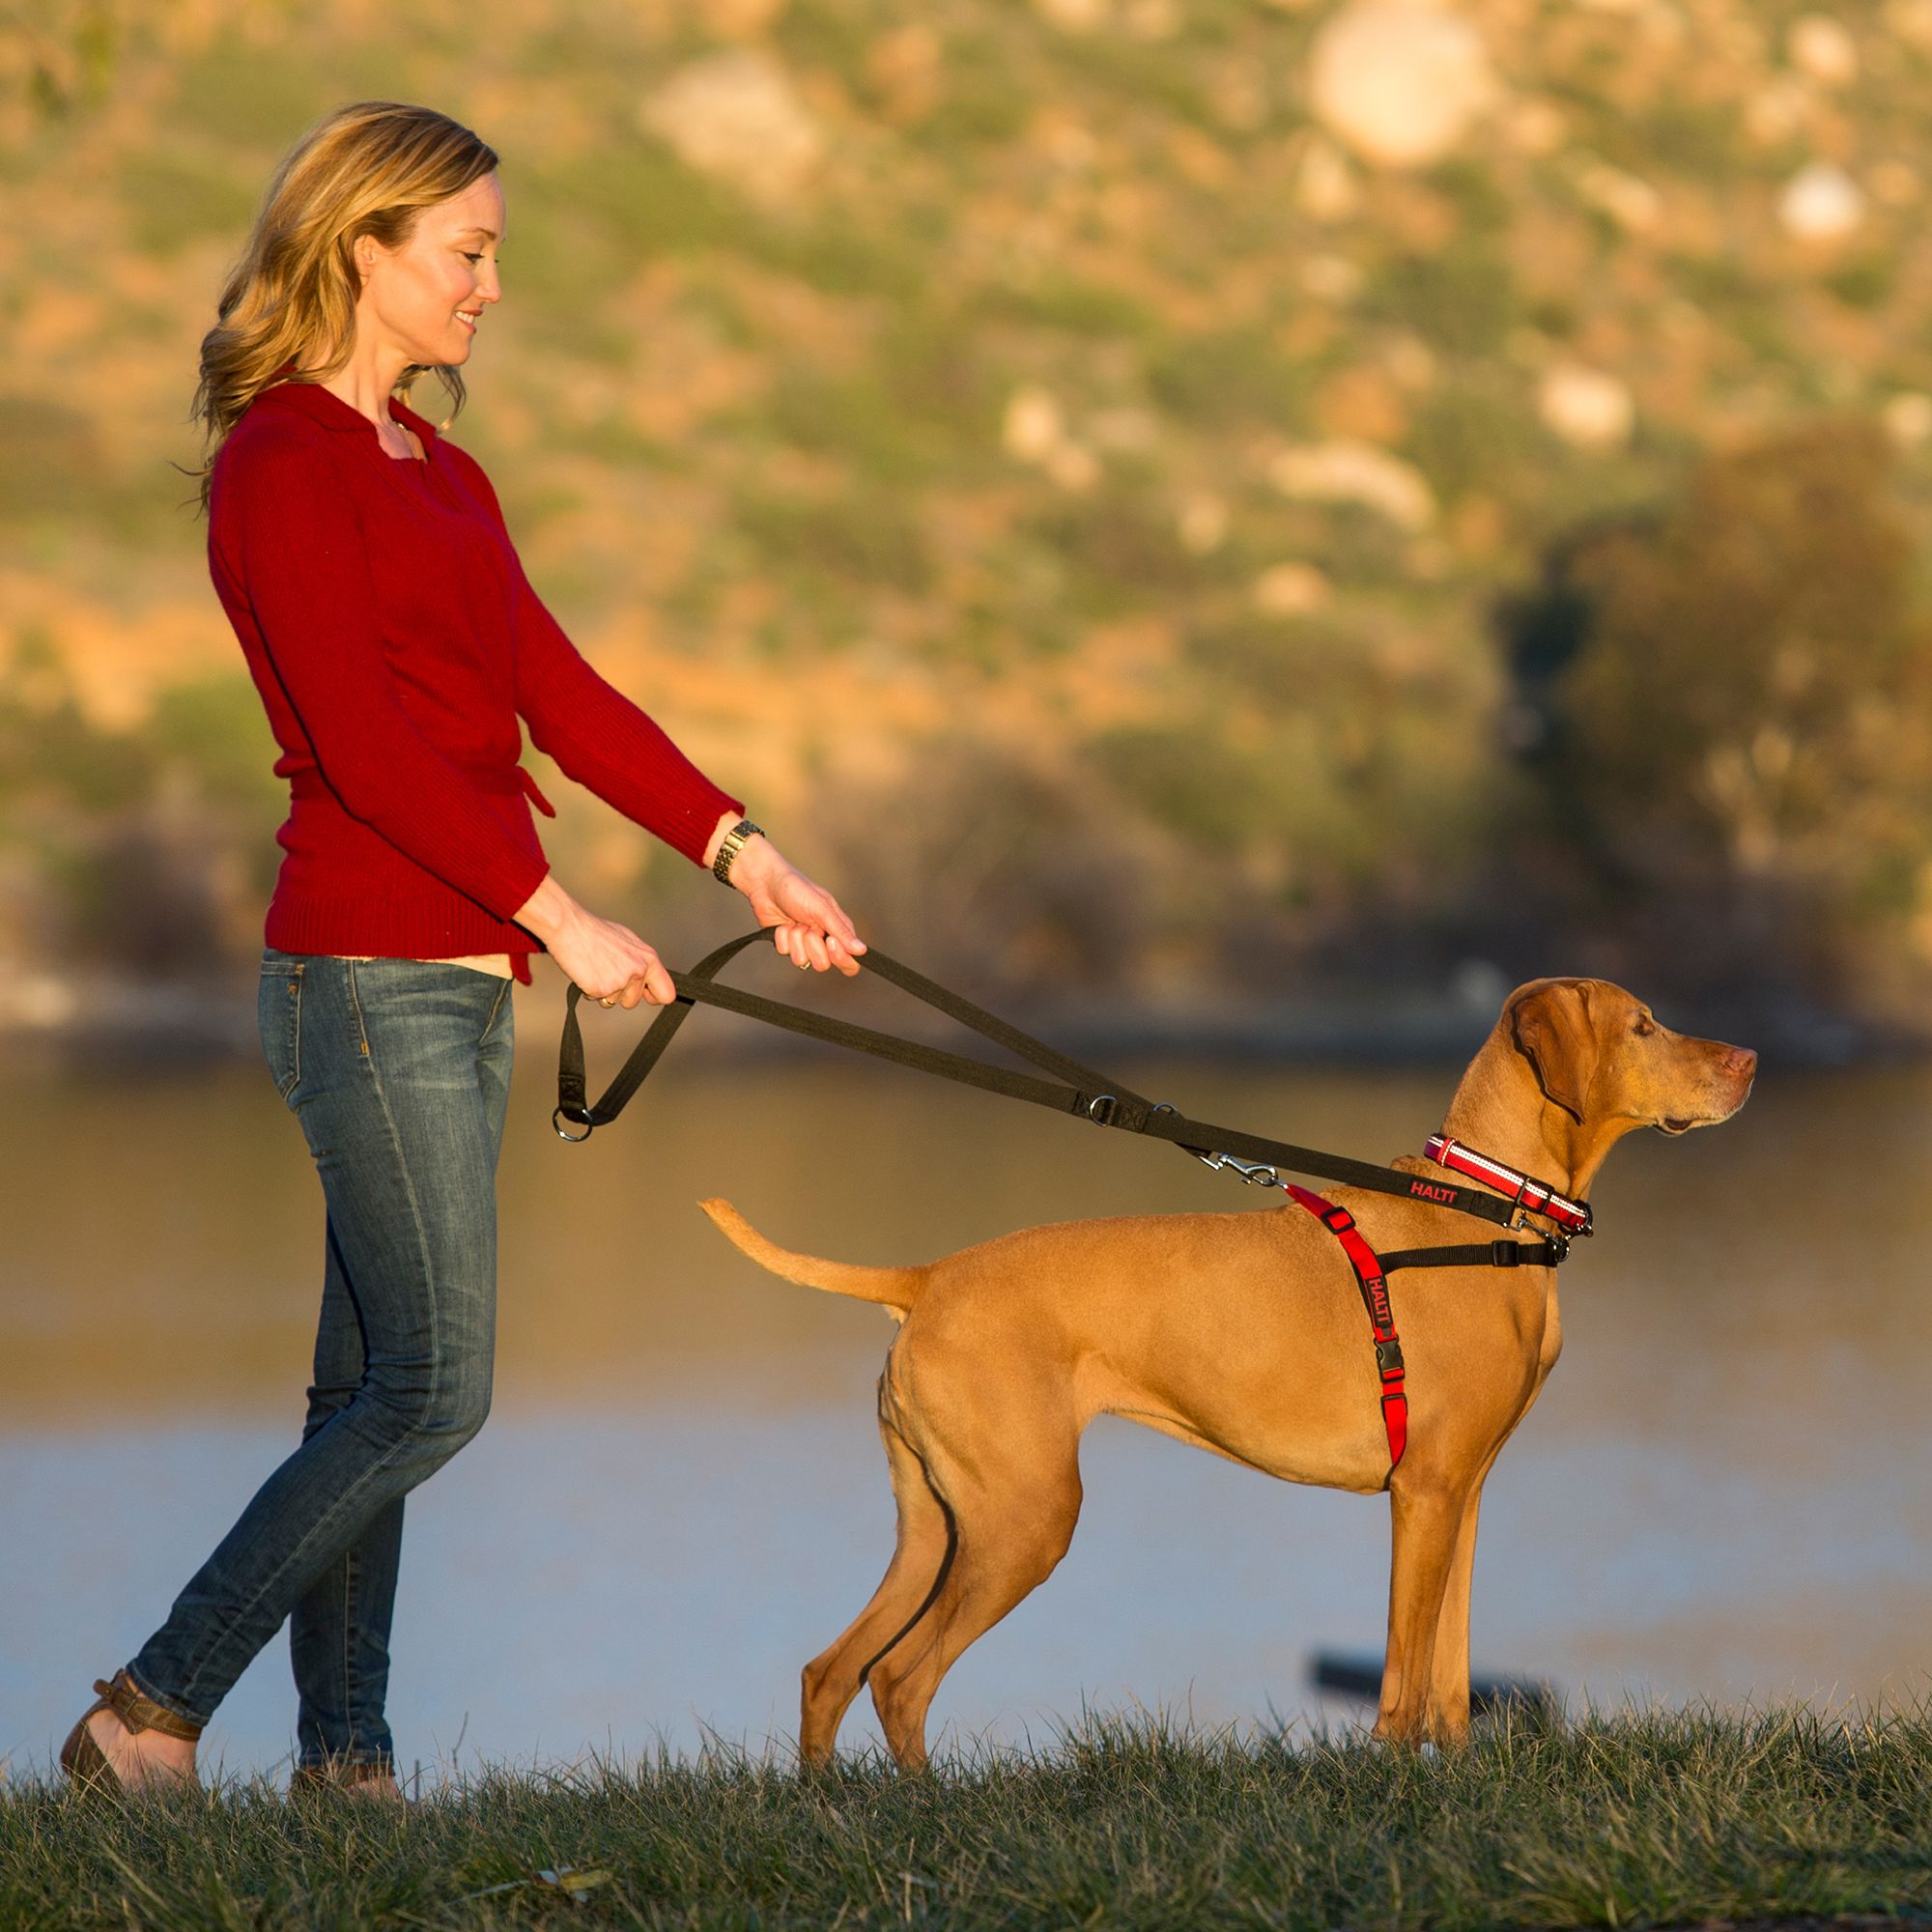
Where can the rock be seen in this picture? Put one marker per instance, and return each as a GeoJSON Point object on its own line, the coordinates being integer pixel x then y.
{"type": "Point", "coordinates": [1821, 202]}
{"type": "Point", "coordinates": [1154, 20]}
{"type": "Point", "coordinates": [906, 66]}
{"type": "Point", "coordinates": [1400, 81]}
{"type": "Point", "coordinates": [737, 116]}
{"type": "Point", "coordinates": [1585, 407]}
{"type": "Point", "coordinates": [1536, 126]}
{"type": "Point", "coordinates": [1325, 189]}
{"type": "Point", "coordinates": [1073, 465]}
{"type": "Point", "coordinates": [1034, 427]}
{"type": "Point", "coordinates": [741, 19]}
{"type": "Point", "coordinates": [1331, 277]}
{"type": "Point", "coordinates": [1630, 202]}
{"type": "Point", "coordinates": [1777, 113]}
{"type": "Point", "coordinates": [1074, 16]}
{"type": "Point", "coordinates": [1237, 97]}
{"type": "Point", "coordinates": [1912, 21]}
{"type": "Point", "coordinates": [36, 999]}
{"type": "Point", "coordinates": [1908, 418]}
{"type": "Point", "coordinates": [1361, 403]}
{"type": "Point", "coordinates": [1126, 430]}
{"type": "Point", "coordinates": [1290, 590]}
{"type": "Point", "coordinates": [1411, 361]}
{"type": "Point", "coordinates": [1203, 523]}
{"type": "Point", "coordinates": [1345, 472]}
{"type": "Point", "coordinates": [1820, 47]}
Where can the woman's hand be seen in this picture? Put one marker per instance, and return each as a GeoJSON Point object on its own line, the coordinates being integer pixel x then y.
{"type": "Point", "coordinates": [608, 960]}
{"type": "Point", "coordinates": [812, 926]}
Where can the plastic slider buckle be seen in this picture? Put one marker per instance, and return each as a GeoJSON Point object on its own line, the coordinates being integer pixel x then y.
{"type": "Point", "coordinates": [1505, 1254]}
{"type": "Point", "coordinates": [1337, 1221]}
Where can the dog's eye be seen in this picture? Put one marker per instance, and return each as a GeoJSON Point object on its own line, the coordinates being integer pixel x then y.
{"type": "Point", "coordinates": [1644, 1024]}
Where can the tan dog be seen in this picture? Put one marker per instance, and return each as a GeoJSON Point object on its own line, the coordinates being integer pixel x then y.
{"type": "Point", "coordinates": [1242, 1333]}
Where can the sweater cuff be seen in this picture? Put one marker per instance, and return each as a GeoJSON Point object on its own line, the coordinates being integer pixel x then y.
{"type": "Point", "coordinates": [517, 882]}
{"type": "Point", "coordinates": [689, 819]}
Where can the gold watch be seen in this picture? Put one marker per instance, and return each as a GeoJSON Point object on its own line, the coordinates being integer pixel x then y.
{"type": "Point", "coordinates": [734, 844]}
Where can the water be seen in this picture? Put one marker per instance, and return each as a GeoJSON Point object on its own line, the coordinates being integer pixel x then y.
{"type": "Point", "coordinates": [680, 1496]}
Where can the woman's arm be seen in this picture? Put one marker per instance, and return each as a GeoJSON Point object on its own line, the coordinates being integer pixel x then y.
{"type": "Point", "coordinates": [292, 544]}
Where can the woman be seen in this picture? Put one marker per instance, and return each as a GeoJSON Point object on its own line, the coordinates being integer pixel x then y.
{"type": "Point", "coordinates": [364, 563]}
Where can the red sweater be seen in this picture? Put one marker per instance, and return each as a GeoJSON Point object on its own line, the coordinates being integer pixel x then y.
{"type": "Point", "coordinates": [393, 636]}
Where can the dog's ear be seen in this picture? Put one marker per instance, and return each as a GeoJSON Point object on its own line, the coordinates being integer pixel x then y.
{"type": "Point", "coordinates": [1550, 1025]}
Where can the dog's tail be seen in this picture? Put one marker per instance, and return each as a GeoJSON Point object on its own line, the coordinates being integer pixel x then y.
{"type": "Point", "coordinates": [894, 1289]}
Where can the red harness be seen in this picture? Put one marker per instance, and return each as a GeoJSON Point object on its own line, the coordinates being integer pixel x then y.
{"type": "Point", "coordinates": [1370, 1279]}
{"type": "Point", "coordinates": [1372, 1272]}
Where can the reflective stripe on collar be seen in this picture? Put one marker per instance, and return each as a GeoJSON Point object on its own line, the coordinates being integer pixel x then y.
{"type": "Point", "coordinates": [1533, 1196]}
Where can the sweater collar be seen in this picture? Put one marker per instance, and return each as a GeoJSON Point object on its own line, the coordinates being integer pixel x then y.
{"type": "Point", "coordinates": [325, 407]}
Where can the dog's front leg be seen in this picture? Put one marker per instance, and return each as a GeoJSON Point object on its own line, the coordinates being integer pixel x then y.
{"type": "Point", "coordinates": [1425, 1518]}
{"type": "Point", "coordinates": [1447, 1718]}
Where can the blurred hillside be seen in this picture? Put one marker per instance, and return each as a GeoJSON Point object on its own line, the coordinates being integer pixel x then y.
{"type": "Point", "coordinates": [1161, 501]}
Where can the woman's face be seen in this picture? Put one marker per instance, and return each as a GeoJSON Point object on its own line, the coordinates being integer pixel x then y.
{"type": "Point", "coordinates": [427, 296]}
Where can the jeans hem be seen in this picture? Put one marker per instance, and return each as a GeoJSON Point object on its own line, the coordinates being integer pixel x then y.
{"type": "Point", "coordinates": [345, 1760]}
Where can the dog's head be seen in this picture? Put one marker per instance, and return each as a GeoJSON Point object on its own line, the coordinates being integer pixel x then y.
{"type": "Point", "coordinates": [1601, 1056]}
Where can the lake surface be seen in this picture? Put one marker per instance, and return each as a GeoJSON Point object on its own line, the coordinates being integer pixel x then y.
{"type": "Point", "coordinates": [1723, 1492]}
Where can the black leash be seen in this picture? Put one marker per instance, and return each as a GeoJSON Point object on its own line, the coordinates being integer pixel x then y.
{"type": "Point", "coordinates": [1085, 1093]}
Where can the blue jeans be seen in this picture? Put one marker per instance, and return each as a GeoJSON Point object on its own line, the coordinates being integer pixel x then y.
{"type": "Point", "coordinates": [399, 1071]}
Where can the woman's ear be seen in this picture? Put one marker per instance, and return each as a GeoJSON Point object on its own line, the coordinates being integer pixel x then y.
{"type": "Point", "coordinates": [1550, 1025]}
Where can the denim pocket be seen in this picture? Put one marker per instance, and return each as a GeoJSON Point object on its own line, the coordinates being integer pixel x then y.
{"type": "Point", "coordinates": [278, 1011]}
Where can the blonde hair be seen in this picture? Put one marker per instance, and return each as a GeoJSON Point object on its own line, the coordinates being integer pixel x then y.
{"type": "Point", "coordinates": [370, 168]}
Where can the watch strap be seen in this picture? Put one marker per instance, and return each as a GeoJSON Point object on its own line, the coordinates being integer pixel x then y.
{"type": "Point", "coordinates": [733, 844]}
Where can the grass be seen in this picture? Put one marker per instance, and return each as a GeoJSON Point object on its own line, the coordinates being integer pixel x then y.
{"type": "Point", "coordinates": [1639, 1819]}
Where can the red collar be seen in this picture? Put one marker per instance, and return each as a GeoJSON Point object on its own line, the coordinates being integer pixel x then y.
{"type": "Point", "coordinates": [1532, 1196]}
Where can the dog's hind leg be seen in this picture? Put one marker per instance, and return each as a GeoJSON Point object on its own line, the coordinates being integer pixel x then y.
{"type": "Point", "coordinates": [1011, 1525]}
{"type": "Point", "coordinates": [1426, 1518]}
{"type": "Point", "coordinates": [920, 1558]}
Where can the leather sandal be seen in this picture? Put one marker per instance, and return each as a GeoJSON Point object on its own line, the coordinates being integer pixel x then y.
{"type": "Point", "coordinates": [86, 1763]}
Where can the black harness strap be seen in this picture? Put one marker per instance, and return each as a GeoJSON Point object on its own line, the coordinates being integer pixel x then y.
{"type": "Point", "coordinates": [1503, 1254]}
{"type": "Point", "coordinates": [1085, 1094]}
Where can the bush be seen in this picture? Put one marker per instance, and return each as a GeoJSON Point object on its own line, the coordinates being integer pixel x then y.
{"type": "Point", "coordinates": [1737, 693]}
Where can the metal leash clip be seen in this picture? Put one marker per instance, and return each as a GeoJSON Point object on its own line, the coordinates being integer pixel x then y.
{"type": "Point", "coordinates": [1257, 1170]}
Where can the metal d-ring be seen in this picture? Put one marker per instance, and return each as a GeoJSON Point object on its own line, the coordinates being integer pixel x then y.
{"type": "Point", "coordinates": [1213, 1160]}
{"type": "Point", "coordinates": [573, 1139]}
{"type": "Point", "coordinates": [1107, 1101]}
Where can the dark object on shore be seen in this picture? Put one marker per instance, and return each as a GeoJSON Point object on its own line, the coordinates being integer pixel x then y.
{"type": "Point", "coordinates": [1362, 1677]}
